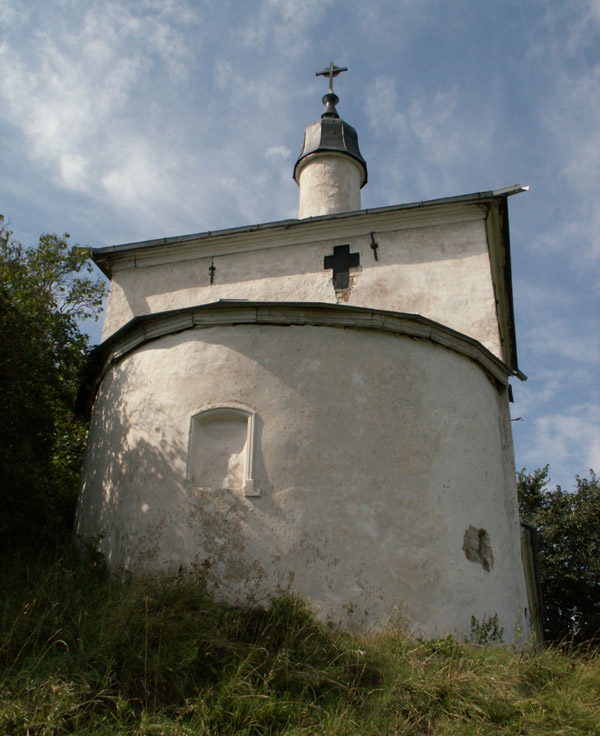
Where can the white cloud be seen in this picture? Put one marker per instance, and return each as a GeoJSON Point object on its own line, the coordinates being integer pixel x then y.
{"type": "Point", "coordinates": [285, 23]}
{"type": "Point", "coordinates": [576, 339]}
{"type": "Point", "coordinates": [428, 141]}
{"type": "Point", "coordinates": [553, 386]}
{"type": "Point", "coordinates": [12, 14]}
{"type": "Point", "coordinates": [224, 75]}
{"type": "Point", "coordinates": [383, 107]}
{"type": "Point", "coordinates": [136, 176]}
{"type": "Point", "coordinates": [72, 170]}
{"type": "Point", "coordinates": [567, 440]}
{"type": "Point", "coordinates": [278, 153]}
{"type": "Point", "coordinates": [70, 92]}
{"type": "Point", "coordinates": [437, 123]}
{"type": "Point", "coordinates": [565, 48]}
{"type": "Point", "coordinates": [561, 323]}
{"type": "Point", "coordinates": [159, 117]}
{"type": "Point", "coordinates": [576, 126]}
{"type": "Point", "coordinates": [582, 25]}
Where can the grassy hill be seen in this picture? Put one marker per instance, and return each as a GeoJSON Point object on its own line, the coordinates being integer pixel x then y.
{"type": "Point", "coordinates": [80, 655]}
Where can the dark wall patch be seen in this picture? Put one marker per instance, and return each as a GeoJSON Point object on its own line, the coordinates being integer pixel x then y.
{"type": "Point", "coordinates": [477, 547]}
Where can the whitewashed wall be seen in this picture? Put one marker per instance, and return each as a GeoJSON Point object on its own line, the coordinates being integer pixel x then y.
{"type": "Point", "coordinates": [373, 455]}
{"type": "Point", "coordinates": [433, 263]}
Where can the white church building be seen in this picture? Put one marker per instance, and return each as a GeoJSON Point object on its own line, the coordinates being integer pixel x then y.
{"type": "Point", "coordinates": [318, 405]}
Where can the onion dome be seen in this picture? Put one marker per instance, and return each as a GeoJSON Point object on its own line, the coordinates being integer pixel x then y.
{"type": "Point", "coordinates": [331, 134]}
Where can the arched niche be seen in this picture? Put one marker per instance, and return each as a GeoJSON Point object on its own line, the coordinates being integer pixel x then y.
{"type": "Point", "coordinates": [221, 450]}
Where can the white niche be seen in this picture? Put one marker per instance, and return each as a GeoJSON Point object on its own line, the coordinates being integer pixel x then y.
{"type": "Point", "coordinates": [221, 454]}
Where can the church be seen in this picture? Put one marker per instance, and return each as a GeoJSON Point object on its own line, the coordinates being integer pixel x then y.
{"type": "Point", "coordinates": [318, 405]}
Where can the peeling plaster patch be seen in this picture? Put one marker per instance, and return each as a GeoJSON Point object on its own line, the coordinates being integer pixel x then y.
{"type": "Point", "coordinates": [477, 548]}
{"type": "Point", "coordinates": [343, 295]}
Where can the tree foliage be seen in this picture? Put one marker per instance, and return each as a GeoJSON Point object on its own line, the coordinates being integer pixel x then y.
{"type": "Point", "coordinates": [44, 294]}
{"type": "Point", "coordinates": [568, 525]}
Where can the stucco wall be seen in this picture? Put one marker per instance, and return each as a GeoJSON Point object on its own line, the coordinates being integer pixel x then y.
{"type": "Point", "coordinates": [441, 272]}
{"type": "Point", "coordinates": [374, 454]}
{"type": "Point", "coordinates": [329, 183]}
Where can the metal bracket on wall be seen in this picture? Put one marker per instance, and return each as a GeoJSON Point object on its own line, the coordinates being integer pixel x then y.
{"type": "Point", "coordinates": [374, 246]}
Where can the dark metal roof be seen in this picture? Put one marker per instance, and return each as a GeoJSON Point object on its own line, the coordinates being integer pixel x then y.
{"type": "Point", "coordinates": [330, 134]}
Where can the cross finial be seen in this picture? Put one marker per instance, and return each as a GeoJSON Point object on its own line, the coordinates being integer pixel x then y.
{"type": "Point", "coordinates": [331, 72]}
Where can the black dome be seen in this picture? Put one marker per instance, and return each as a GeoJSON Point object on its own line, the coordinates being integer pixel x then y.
{"type": "Point", "coordinates": [331, 134]}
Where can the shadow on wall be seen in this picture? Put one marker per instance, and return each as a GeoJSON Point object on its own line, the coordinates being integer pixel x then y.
{"type": "Point", "coordinates": [143, 514]}
{"type": "Point", "coordinates": [380, 522]}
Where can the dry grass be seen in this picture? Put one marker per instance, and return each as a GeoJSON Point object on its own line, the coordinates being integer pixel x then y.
{"type": "Point", "coordinates": [81, 655]}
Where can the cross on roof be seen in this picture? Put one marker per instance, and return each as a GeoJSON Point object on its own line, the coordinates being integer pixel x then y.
{"type": "Point", "coordinates": [331, 72]}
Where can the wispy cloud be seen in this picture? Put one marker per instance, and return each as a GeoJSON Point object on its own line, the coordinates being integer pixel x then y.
{"type": "Point", "coordinates": [559, 325]}
{"type": "Point", "coordinates": [565, 44]}
{"type": "Point", "coordinates": [566, 439]}
{"type": "Point", "coordinates": [429, 139]}
{"type": "Point", "coordinates": [159, 117]}
{"type": "Point", "coordinates": [12, 14]}
{"type": "Point", "coordinates": [68, 91]}
{"type": "Point", "coordinates": [278, 153]}
{"type": "Point", "coordinates": [284, 23]}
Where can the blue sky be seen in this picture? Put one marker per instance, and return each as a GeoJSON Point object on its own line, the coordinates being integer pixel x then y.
{"type": "Point", "coordinates": [123, 121]}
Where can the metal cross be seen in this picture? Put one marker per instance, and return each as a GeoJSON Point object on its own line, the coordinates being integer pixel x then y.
{"type": "Point", "coordinates": [341, 262]}
{"type": "Point", "coordinates": [331, 72]}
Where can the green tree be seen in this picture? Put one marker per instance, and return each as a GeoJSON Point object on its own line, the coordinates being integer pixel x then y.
{"type": "Point", "coordinates": [45, 292]}
{"type": "Point", "coordinates": [568, 525]}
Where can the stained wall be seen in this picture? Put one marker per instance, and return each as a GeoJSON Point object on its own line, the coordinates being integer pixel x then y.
{"type": "Point", "coordinates": [433, 264]}
{"type": "Point", "coordinates": [373, 455]}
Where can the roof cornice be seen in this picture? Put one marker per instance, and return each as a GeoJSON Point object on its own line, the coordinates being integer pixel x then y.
{"type": "Point", "coordinates": [144, 329]}
{"type": "Point", "coordinates": [291, 232]}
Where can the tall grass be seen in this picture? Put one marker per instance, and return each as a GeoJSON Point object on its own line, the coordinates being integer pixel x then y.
{"type": "Point", "coordinates": [82, 655]}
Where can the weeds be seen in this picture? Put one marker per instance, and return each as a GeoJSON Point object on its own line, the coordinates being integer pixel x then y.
{"type": "Point", "coordinates": [81, 655]}
{"type": "Point", "coordinates": [487, 631]}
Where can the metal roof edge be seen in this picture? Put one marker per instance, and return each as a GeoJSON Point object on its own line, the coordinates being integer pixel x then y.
{"type": "Point", "coordinates": [107, 251]}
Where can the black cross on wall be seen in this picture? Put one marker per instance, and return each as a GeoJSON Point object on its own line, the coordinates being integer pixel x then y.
{"type": "Point", "coordinates": [341, 262]}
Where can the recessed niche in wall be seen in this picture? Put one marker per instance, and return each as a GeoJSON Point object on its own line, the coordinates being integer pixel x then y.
{"type": "Point", "coordinates": [221, 451]}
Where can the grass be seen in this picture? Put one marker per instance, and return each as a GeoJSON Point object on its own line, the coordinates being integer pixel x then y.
{"type": "Point", "coordinates": [80, 655]}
